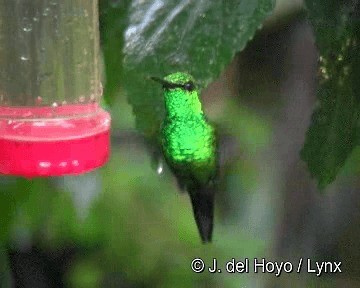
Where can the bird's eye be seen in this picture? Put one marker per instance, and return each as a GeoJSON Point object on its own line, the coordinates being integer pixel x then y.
{"type": "Point", "coordinates": [189, 86]}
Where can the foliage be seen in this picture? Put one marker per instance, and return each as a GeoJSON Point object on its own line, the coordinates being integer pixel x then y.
{"type": "Point", "coordinates": [161, 37]}
{"type": "Point", "coordinates": [333, 133]}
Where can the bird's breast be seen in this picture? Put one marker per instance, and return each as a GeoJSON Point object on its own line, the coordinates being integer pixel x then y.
{"type": "Point", "coordinates": [188, 141]}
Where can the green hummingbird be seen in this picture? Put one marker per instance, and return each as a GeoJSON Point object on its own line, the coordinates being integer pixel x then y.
{"type": "Point", "coordinates": [189, 146]}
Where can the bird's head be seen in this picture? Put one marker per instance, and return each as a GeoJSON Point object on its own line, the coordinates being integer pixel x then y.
{"type": "Point", "coordinates": [179, 80]}
{"type": "Point", "coordinates": [181, 95]}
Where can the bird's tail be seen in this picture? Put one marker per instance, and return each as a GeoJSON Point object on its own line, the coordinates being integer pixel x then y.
{"type": "Point", "coordinates": [203, 206]}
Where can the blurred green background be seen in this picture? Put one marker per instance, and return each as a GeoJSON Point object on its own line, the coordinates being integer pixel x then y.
{"type": "Point", "coordinates": [125, 225]}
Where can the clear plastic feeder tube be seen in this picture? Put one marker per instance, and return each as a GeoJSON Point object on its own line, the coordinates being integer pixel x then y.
{"type": "Point", "coordinates": [50, 119]}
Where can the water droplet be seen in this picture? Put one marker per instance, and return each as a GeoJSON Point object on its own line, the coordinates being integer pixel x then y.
{"type": "Point", "coordinates": [27, 28]}
{"type": "Point", "coordinates": [44, 164]}
{"type": "Point", "coordinates": [24, 58]}
{"type": "Point", "coordinates": [63, 164]}
{"type": "Point", "coordinates": [82, 99]}
{"type": "Point", "coordinates": [38, 100]}
{"type": "Point", "coordinates": [36, 19]}
{"type": "Point", "coordinates": [46, 11]}
{"type": "Point", "coordinates": [54, 105]}
{"type": "Point", "coordinates": [27, 114]}
{"type": "Point", "coordinates": [160, 168]}
{"type": "Point", "coordinates": [63, 102]}
{"type": "Point", "coordinates": [75, 163]}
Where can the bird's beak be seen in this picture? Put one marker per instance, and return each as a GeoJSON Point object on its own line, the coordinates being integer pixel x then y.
{"type": "Point", "coordinates": [160, 80]}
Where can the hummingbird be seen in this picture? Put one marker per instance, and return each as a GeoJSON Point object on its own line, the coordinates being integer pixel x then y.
{"type": "Point", "coordinates": [189, 146]}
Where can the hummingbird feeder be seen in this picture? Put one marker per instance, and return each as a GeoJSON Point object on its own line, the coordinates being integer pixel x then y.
{"type": "Point", "coordinates": [51, 122]}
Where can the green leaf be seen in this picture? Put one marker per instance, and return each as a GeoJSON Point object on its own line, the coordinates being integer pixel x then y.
{"type": "Point", "coordinates": [333, 131]}
{"type": "Point", "coordinates": [200, 37]}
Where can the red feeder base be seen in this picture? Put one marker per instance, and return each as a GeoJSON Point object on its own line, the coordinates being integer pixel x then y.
{"type": "Point", "coordinates": [39, 146]}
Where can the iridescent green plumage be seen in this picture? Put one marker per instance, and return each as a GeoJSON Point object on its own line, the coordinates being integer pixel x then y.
{"type": "Point", "coordinates": [189, 146]}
